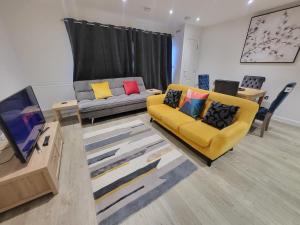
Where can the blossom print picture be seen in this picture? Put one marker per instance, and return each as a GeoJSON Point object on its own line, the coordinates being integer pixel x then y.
{"type": "Point", "coordinates": [273, 37]}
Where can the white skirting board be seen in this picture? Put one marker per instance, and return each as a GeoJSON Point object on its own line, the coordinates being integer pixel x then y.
{"type": "Point", "coordinates": [286, 120]}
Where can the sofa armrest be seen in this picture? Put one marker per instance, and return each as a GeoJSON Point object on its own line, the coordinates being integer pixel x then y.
{"type": "Point", "coordinates": [229, 136]}
{"type": "Point", "coordinates": [155, 100]}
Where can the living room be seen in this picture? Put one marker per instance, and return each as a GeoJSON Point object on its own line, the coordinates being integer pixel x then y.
{"type": "Point", "coordinates": [149, 112]}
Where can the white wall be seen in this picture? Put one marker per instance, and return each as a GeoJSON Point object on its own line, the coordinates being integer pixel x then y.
{"type": "Point", "coordinates": [42, 44]}
{"type": "Point", "coordinates": [11, 77]}
{"type": "Point", "coordinates": [221, 48]}
{"type": "Point", "coordinates": [190, 54]}
{"type": "Point", "coordinates": [177, 47]}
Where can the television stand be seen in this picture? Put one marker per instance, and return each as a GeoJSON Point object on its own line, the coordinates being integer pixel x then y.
{"type": "Point", "coordinates": [23, 182]}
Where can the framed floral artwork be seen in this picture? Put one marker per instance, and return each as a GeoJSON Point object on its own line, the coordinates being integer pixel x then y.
{"type": "Point", "coordinates": [273, 37]}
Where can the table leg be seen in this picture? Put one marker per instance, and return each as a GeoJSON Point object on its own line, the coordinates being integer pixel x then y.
{"type": "Point", "coordinates": [261, 98]}
{"type": "Point", "coordinates": [78, 116]}
{"type": "Point", "coordinates": [57, 115]}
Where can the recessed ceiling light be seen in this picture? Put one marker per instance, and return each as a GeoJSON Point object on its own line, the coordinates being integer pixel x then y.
{"type": "Point", "coordinates": [250, 2]}
{"type": "Point", "coordinates": [171, 11]}
{"type": "Point", "coordinates": [198, 19]}
{"type": "Point", "coordinates": [124, 0]}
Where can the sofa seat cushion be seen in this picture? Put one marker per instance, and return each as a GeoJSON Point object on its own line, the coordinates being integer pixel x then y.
{"type": "Point", "coordinates": [198, 132]}
{"type": "Point", "coordinates": [158, 111]}
{"type": "Point", "coordinates": [176, 119]}
{"type": "Point", "coordinates": [112, 102]}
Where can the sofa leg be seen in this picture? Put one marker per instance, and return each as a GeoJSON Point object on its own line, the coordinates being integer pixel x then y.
{"type": "Point", "coordinates": [151, 120]}
{"type": "Point", "coordinates": [209, 162]}
{"type": "Point", "coordinates": [92, 120]}
{"type": "Point", "coordinates": [231, 149]}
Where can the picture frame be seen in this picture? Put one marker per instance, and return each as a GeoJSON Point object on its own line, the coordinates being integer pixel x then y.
{"type": "Point", "coordinates": [273, 37]}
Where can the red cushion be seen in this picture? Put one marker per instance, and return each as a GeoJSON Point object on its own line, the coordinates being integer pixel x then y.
{"type": "Point", "coordinates": [131, 87]}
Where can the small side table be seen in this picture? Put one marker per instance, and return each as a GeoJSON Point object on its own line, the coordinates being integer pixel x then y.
{"type": "Point", "coordinates": [155, 91]}
{"type": "Point", "coordinates": [65, 105]}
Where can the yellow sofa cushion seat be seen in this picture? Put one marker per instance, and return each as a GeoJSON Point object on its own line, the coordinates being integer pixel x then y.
{"type": "Point", "coordinates": [176, 119]}
{"type": "Point", "coordinates": [158, 111]}
{"type": "Point", "coordinates": [198, 132]}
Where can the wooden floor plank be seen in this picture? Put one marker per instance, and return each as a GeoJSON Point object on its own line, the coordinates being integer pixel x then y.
{"type": "Point", "coordinates": [257, 183]}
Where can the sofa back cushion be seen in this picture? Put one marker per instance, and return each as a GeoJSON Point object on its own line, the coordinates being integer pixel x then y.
{"type": "Point", "coordinates": [246, 107]}
{"type": "Point", "coordinates": [184, 90]}
{"type": "Point", "coordinates": [83, 90]}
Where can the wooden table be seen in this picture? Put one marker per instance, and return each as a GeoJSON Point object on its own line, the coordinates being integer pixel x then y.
{"type": "Point", "coordinates": [23, 182]}
{"type": "Point", "coordinates": [155, 91]}
{"type": "Point", "coordinates": [66, 105]}
{"type": "Point", "coordinates": [252, 94]}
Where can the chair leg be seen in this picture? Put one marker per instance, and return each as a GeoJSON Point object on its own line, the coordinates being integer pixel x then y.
{"type": "Point", "coordinates": [268, 120]}
{"type": "Point", "coordinates": [267, 125]}
{"type": "Point", "coordinates": [262, 131]}
{"type": "Point", "coordinates": [263, 128]}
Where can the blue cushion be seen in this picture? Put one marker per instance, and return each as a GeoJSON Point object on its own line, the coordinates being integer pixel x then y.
{"type": "Point", "coordinates": [261, 114]}
{"type": "Point", "coordinates": [192, 107]}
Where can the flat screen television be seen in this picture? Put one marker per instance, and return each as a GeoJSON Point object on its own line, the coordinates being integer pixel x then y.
{"type": "Point", "coordinates": [22, 121]}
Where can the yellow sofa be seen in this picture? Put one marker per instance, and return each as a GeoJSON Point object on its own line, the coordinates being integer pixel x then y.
{"type": "Point", "coordinates": [209, 141]}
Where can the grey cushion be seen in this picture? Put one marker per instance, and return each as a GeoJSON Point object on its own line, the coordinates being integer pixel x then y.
{"type": "Point", "coordinates": [115, 101]}
{"type": "Point", "coordinates": [118, 91]}
{"type": "Point", "coordinates": [84, 95]}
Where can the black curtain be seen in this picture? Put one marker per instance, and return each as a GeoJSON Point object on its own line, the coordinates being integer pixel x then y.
{"type": "Point", "coordinates": [153, 58]}
{"type": "Point", "coordinates": [107, 51]}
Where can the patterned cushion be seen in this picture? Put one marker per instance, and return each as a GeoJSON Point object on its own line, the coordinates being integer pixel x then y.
{"type": "Point", "coordinates": [220, 115]}
{"type": "Point", "coordinates": [193, 103]}
{"type": "Point", "coordinates": [172, 98]}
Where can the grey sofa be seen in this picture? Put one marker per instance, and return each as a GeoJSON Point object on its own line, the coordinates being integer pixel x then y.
{"type": "Point", "coordinates": [91, 108]}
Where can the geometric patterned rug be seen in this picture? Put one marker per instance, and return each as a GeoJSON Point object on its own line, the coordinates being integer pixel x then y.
{"type": "Point", "coordinates": [130, 166]}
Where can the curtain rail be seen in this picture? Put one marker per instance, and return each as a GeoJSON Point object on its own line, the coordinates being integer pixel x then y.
{"type": "Point", "coordinates": [109, 25]}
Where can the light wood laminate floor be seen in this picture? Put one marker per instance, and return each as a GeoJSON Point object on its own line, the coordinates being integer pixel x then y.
{"type": "Point", "coordinates": [257, 183]}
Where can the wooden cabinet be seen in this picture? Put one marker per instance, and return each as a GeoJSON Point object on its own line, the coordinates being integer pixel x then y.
{"type": "Point", "coordinates": [20, 183]}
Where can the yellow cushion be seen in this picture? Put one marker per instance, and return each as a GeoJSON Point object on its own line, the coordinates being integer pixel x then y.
{"type": "Point", "coordinates": [175, 119]}
{"type": "Point", "coordinates": [157, 111]}
{"type": "Point", "coordinates": [101, 90]}
{"type": "Point", "coordinates": [198, 132]}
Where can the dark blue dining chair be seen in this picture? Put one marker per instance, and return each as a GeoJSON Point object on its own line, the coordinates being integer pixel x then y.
{"type": "Point", "coordinates": [203, 81]}
{"type": "Point", "coordinates": [265, 114]}
{"type": "Point", "coordinates": [255, 82]}
{"type": "Point", "coordinates": [227, 87]}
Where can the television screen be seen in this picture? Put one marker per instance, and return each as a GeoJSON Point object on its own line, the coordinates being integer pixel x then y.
{"type": "Point", "coordinates": [22, 120]}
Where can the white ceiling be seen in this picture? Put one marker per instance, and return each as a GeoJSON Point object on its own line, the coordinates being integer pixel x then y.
{"type": "Point", "coordinates": [210, 11]}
